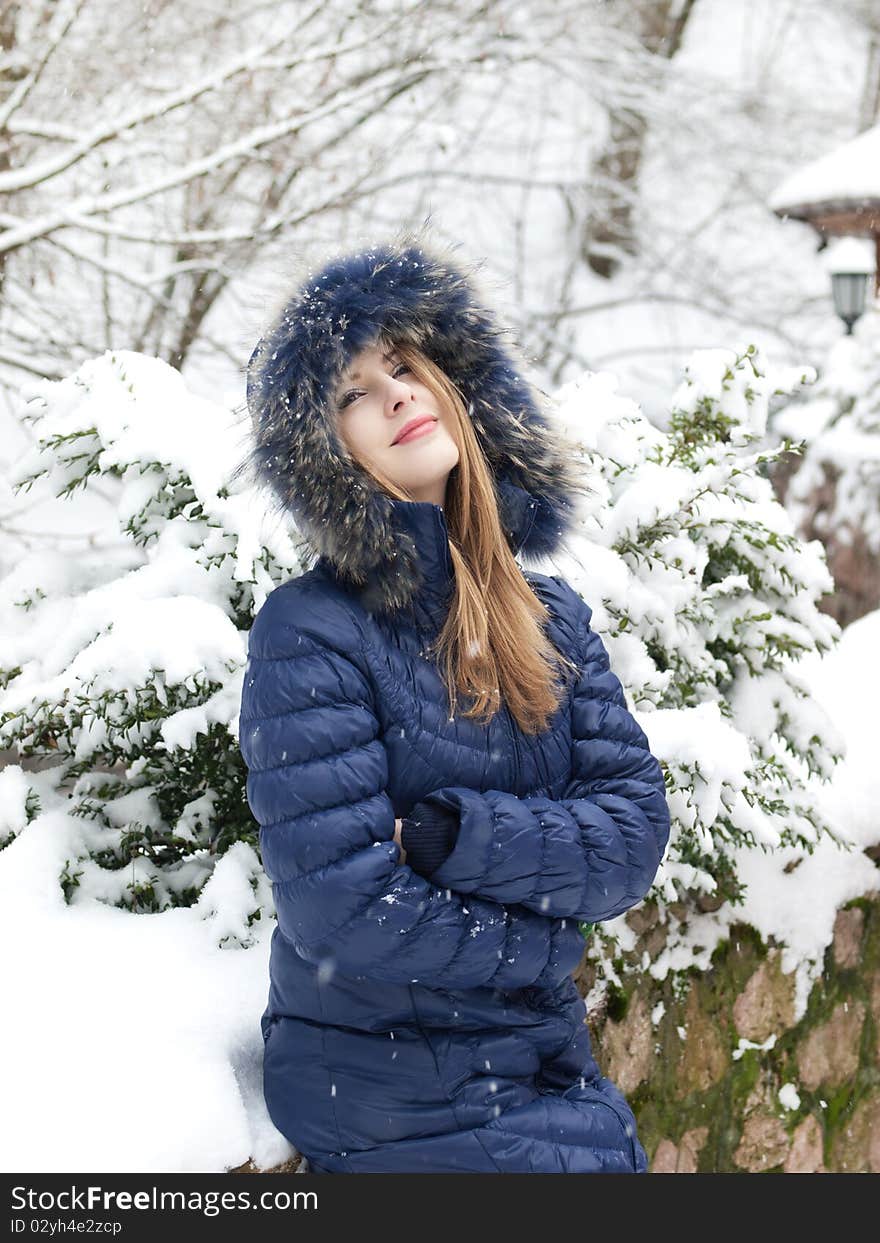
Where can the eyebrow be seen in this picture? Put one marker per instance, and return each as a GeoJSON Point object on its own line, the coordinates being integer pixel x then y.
{"type": "Point", "coordinates": [356, 375]}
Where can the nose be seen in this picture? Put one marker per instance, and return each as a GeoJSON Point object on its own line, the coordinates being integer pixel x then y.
{"type": "Point", "coordinates": [399, 393]}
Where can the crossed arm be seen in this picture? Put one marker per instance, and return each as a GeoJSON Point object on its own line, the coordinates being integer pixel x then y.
{"type": "Point", "coordinates": [589, 855]}
{"type": "Point", "coordinates": [501, 908]}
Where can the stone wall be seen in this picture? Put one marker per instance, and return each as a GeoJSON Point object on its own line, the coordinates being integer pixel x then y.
{"type": "Point", "coordinates": [708, 1102]}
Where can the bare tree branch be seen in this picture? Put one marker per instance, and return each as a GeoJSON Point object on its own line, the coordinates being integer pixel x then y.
{"type": "Point", "coordinates": [66, 15]}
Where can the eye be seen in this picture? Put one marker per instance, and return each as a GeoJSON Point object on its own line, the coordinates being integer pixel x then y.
{"type": "Point", "coordinates": [354, 393]}
{"type": "Point", "coordinates": [348, 398]}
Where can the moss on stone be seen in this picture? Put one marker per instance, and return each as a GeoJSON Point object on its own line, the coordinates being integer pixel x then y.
{"type": "Point", "coordinates": [616, 1003]}
{"type": "Point", "coordinates": [697, 1087]}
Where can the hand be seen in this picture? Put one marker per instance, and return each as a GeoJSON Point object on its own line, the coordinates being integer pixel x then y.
{"type": "Point", "coordinates": [398, 824]}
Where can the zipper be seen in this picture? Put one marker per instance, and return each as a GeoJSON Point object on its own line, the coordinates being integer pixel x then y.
{"type": "Point", "coordinates": [515, 745]}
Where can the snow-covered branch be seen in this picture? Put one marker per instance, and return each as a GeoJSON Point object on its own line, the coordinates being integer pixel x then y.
{"type": "Point", "coordinates": [249, 61]}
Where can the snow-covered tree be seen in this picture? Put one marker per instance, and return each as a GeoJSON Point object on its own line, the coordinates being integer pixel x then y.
{"type": "Point", "coordinates": [122, 662]}
{"type": "Point", "coordinates": [151, 153]}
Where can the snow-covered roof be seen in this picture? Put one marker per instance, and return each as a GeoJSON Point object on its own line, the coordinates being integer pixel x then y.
{"type": "Point", "coordinates": [850, 254]}
{"type": "Point", "coordinates": [849, 174]}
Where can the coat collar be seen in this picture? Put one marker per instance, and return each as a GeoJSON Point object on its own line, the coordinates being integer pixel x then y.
{"type": "Point", "coordinates": [425, 524]}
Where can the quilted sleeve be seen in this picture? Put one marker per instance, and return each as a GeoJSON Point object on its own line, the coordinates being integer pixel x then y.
{"type": "Point", "coordinates": [317, 776]}
{"type": "Point", "coordinates": [590, 855]}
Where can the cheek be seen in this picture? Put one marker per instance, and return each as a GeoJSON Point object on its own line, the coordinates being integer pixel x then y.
{"type": "Point", "coordinates": [347, 434]}
{"type": "Point", "coordinates": [365, 431]}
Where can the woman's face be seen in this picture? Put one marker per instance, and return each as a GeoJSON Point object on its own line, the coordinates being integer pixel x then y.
{"type": "Point", "coordinates": [376, 398]}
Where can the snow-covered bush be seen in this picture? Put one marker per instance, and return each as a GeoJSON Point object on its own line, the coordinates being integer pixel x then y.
{"type": "Point", "coordinates": [123, 663]}
{"type": "Point", "coordinates": [706, 599]}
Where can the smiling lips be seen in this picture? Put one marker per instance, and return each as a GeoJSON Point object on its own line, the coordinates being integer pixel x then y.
{"type": "Point", "coordinates": [415, 428]}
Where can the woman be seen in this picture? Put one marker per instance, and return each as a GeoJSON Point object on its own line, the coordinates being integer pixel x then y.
{"type": "Point", "coordinates": [432, 860]}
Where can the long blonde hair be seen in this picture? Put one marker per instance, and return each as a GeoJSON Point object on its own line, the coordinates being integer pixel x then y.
{"type": "Point", "coordinates": [492, 647]}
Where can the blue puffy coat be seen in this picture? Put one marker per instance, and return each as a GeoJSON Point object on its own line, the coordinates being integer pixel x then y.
{"type": "Point", "coordinates": [434, 1026]}
{"type": "Point", "coordinates": [428, 1023]}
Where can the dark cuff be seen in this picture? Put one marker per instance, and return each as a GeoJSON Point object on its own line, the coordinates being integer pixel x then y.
{"type": "Point", "coordinates": [428, 835]}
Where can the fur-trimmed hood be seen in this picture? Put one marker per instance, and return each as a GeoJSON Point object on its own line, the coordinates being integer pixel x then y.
{"type": "Point", "coordinates": [405, 290]}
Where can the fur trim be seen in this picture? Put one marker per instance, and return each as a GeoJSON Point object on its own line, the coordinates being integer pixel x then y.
{"type": "Point", "coordinates": [409, 290]}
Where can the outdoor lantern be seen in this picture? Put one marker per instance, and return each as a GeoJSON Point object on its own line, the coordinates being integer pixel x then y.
{"type": "Point", "coordinates": [849, 290]}
{"type": "Point", "coordinates": [851, 264]}
{"type": "Point", "coordinates": [838, 195]}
